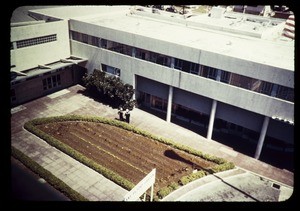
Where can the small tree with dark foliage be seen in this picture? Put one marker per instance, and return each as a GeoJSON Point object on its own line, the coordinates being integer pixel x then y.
{"type": "Point", "coordinates": [110, 88]}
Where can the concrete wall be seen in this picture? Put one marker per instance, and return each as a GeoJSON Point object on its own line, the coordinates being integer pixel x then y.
{"type": "Point", "coordinates": [41, 54]}
{"type": "Point", "coordinates": [191, 100]}
{"type": "Point", "coordinates": [242, 98]}
{"type": "Point", "coordinates": [152, 87]}
{"type": "Point", "coordinates": [238, 116]}
{"type": "Point", "coordinates": [28, 90]}
{"type": "Point", "coordinates": [32, 89]}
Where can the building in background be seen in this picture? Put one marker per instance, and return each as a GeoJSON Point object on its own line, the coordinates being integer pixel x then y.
{"type": "Point", "coordinates": [224, 72]}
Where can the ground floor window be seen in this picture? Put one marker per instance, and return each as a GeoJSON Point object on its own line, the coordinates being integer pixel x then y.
{"type": "Point", "coordinates": [190, 115]}
{"type": "Point", "coordinates": [51, 82]}
{"type": "Point", "coordinates": [153, 101]}
{"type": "Point", "coordinates": [159, 103]}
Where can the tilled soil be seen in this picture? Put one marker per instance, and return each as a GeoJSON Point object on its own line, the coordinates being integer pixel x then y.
{"type": "Point", "coordinates": [130, 155]}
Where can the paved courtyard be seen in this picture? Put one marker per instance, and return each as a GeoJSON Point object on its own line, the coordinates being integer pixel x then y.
{"type": "Point", "coordinates": [95, 187]}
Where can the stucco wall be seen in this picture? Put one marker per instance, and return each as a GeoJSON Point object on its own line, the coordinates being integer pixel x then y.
{"type": "Point", "coordinates": [41, 54]}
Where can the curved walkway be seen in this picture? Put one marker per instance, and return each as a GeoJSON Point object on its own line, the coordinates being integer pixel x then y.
{"type": "Point", "coordinates": [236, 185]}
{"type": "Point", "coordinates": [86, 181]}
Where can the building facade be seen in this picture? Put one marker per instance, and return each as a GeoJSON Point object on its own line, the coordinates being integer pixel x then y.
{"type": "Point", "coordinates": [41, 62]}
{"type": "Point", "coordinates": [214, 73]}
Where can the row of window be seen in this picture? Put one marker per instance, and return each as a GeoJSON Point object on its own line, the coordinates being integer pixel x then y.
{"type": "Point", "coordinates": [35, 41]}
{"type": "Point", "coordinates": [234, 79]}
{"type": "Point", "coordinates": [48, 83]}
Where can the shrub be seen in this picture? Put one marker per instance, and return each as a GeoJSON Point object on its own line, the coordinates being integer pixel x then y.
{"type": "Point", "coordinates": [110, 88]}
{"type": "Point", "coordinates": [163, 192]}
{"type": "Point", "coordinates": [191, 177]}
{"type": "Point", "coordinates": [223, 167]}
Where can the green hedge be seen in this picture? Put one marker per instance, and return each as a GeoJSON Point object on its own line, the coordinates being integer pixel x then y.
{"type": "Point", "coordinates": [47, 175]}
{"type": "Point", "coordinates": [167, 190]}
{"type": "Point", "coordinates": [222, 164]}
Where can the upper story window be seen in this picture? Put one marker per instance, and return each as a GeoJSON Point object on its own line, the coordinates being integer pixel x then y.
{"type": "Point", "coordinates": [111, 70]}
{"type": "Point", "coordinates": [209, 72]}
{"type": "Point", "coordinates": [85, 38]}
{"type": "Point", "coordinates": [76, 35]}
{"type": "Point", "coordinates": [103, 43]}
{"type": "Point", "coordinates": [194, 68]}
{"type": "Point", "coordinates": [266, 88]}
{"type": "Point", "coordinates": [36, 41]}
{"type": "Point", "coordinates": [285, 93]}
{"type": "Point", "coordinates": [160, 59]}
{"type": "Point", "coordinates": [163, 60]}
{"type": "Point", "coordinates": [141, 54]}
{"type": "Point", "coordinates": [225, 76]}
{"type": "Point", "coordinates": [178, 64]}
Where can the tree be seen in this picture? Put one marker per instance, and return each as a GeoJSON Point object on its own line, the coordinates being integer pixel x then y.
{"type": "Point", "coordinates": [110, 88]}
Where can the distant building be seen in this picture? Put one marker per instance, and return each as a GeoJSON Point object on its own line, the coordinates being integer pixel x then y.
{"type": "Point", "coordinates": [289, 28]}
{"type": "Point", "coordinates": [229, 73]}
{"type": "Point", "coordinates": [274, 11]}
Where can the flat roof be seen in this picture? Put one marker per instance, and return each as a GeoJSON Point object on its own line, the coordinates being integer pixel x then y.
{"type": "Point", "coordinates": [42, 69]}
{"type": "Point", "coordinates": [276, 53]}
{"type": "Point", "coordinates": [68, 12]}
{"type": "Point", "coordinates": [20, 14]}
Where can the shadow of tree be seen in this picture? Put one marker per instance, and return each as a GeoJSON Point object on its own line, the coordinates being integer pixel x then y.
{"type": "Point", "coordinates": [96, 96]}
{"type": "Point", "coordinates": [173, 155]}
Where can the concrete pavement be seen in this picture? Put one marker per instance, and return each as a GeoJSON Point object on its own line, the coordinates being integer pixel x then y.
{"type": "Point", "coordinates": [236, 185]}
{"type": "Point", "coordinates": [91, 184]}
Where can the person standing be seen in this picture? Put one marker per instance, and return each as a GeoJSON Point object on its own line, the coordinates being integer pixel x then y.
{"type": "Point", "coordinates": [127, 115]}
{"type": "Point", "coordinates": [120, 112]}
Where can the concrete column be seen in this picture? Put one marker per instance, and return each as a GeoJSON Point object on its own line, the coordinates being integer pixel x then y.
{"type": "Point", "coordinates": [262, 137]}
{"type": "Point", "coordinates": [134, 86]}
{"type": "Point", "coordinates": [133, 51]}
{"type": "Point", "coordinates": [170, 99]}
{"type": "Point", "coordinates": [211, 119]}
{"type": "Point", "coordinates": [213, 112]}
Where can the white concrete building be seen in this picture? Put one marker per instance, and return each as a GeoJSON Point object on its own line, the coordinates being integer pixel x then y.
{"type": "Point", "coordinates": [232, 73]}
